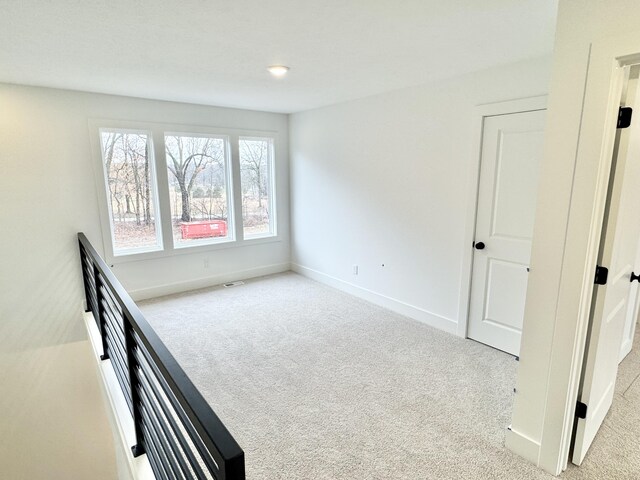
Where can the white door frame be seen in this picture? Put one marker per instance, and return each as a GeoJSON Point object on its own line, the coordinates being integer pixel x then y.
{"type": "Point", "coordinates": [521, 105]}
{"type": "Point", "coordinates": [582, 242]}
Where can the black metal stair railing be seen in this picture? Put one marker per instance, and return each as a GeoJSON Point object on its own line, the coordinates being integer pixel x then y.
{"type": "Point", "coordinates": [175, 427]}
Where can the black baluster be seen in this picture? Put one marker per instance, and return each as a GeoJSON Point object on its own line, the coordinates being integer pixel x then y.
{"type": "Point", "coordinates": [138, 448]}
{"type": "Point", "coordinates": [101, 318]}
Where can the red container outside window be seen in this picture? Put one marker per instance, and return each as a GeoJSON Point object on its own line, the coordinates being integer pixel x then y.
{"type": "Point", "coordinates": [203, 229]}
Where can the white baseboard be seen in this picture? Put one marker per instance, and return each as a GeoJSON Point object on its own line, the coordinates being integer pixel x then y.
{"type": "Point", "coordinates": [522, 445]}
{"type": "Point", "coordinates": [204, 282]}
{"type": "Point", "coordinates": [397, 306]}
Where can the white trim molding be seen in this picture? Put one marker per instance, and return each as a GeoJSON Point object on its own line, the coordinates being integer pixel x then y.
{"type": "Point", "coordinates": [584, 231]}
{"type": "Point", "coordinates": [526, 447]}
{"type": "Point", "coordinates": [576, 168]}
{"type": "Point", "coordinates": [204, 282]}
{"type": "Point", "coordinates": [411, 311]}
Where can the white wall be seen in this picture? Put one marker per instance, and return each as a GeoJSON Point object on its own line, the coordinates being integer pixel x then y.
{"type": "Point", "coordinates": [49, 394]}
{"type": "Point", "coordinates": [567, 211]}
{"type": "Point", "coordinates": [385, 180]}
{"type": "Point", "coordinates": [53, 422]}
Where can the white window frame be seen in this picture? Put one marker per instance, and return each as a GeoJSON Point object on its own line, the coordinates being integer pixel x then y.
{"type": "Point", "coordinates": [228, 173]}
{"type": "Point", "coordinates": [273, 223]}
{"type": "Point", "coordinates": [159, 246]}
{"type": "Point", "coordinates": [162, 213]}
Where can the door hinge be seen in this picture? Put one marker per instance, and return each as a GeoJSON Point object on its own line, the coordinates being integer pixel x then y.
{"type": "Point", "coordinates": [602, 273]}
{"type": "Point", "coordinates": [624, 117]}
{"type": "Point", "coordinates": [581, 410]}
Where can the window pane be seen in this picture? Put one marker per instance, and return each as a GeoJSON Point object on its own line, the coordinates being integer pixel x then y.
{"type": "Point", "coordinates": [256, 167]}
{"type": "Point", "coordinates": [198, 189]}
{"type": "Point", "coordinates": [128, 166]}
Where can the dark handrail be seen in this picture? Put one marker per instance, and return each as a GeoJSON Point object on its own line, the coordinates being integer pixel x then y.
{"type": "Point", "coordinates": [228, 456]}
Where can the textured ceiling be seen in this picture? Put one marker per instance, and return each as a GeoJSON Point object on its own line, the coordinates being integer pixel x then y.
{"type": "Point", "coordinates": [216, 52]}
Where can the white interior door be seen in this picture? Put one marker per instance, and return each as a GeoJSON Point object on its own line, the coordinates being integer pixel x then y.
{"type": "Point", "coordinates": [633, 305]}
{"type": "Point", "coordinates": [614, 301]}
{"type": "Point", "coordinates": [510, 159]}
{"type": "Point", "coordinates": [633, 309]}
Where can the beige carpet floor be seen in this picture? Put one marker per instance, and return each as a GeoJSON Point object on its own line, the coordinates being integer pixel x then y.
{"type": "Point", "coordinates": [317, 384]}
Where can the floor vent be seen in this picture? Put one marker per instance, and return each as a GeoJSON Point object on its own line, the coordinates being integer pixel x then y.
{"type": "Point", "coordinates": [232, 284]}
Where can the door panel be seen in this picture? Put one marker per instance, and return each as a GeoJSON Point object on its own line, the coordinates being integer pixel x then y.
{"type": "Point", "coordinates": [503, 309]}
{"type": "Point", "coordinates": [633, 310]}
{"type": "Point", "coordinates": [633, 307]}
{"type": "Point", "coordinates": [516, 184]}
{"type": "Point", "coordinates": [511, 152]}
{"type": "Point", "coordinates": [614, 301]}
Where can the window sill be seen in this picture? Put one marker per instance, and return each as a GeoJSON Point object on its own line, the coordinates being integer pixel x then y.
{"type": "Point", "coordinates": [193, 249]}
{"type": "Point", "coordinates": [138, 251]}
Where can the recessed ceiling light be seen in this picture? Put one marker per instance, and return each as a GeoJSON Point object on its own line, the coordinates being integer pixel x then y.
{"type": "Point", "coordinates": [278, 70]}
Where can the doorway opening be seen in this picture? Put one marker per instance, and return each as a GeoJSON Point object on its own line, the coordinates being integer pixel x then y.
{"type": "Point", "coordinates": [614, 310]}
{"type": "Point", "coordinates": [510, 153]}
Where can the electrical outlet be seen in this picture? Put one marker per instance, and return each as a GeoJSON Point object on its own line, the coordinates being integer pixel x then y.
{"type": "Point", "coordinates": [355, 269]}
